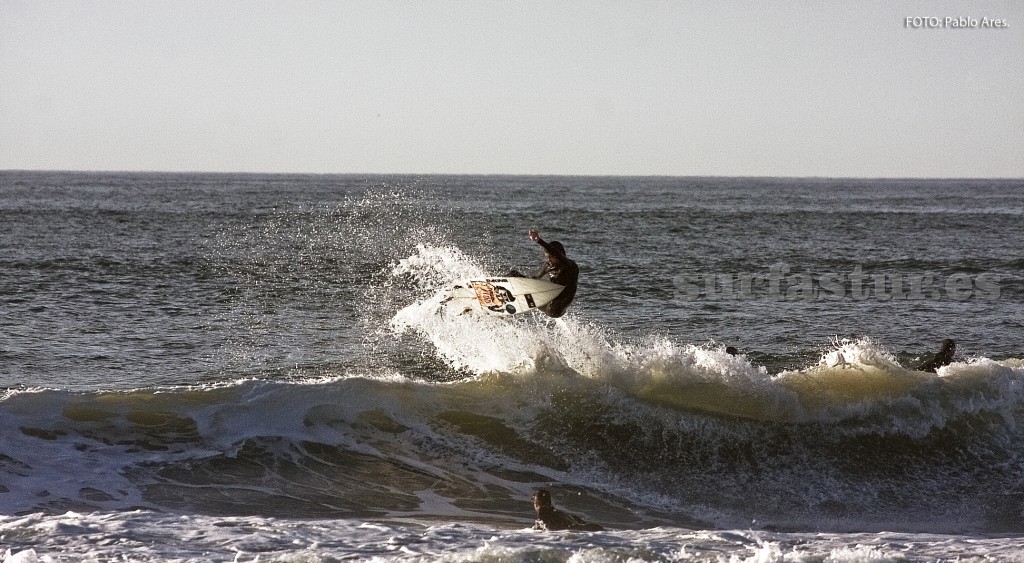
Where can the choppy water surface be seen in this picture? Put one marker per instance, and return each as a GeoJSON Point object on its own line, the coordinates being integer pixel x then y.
{"type": "Point", "coordinates": [238, 366]}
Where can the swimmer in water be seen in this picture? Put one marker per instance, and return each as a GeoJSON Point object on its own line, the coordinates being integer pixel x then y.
{"type": "Point", "coordinates": [551, 519]}
{"type": "Point", "coordinates": [944, 357]}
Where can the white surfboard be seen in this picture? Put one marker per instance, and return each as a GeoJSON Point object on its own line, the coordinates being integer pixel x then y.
{"type": "Point", "coordinates": [500, 296]}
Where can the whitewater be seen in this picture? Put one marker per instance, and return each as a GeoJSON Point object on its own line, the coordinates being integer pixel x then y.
{"type": "Point", "coordinates": [237, 367]}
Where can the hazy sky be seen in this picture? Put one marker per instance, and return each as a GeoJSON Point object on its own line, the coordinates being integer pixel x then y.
{"type": "Point", "coordinates": [747, 88]}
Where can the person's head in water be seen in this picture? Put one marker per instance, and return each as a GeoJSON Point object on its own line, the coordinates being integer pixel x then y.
{"type": "Point", "coordinates": [558, 246]}
{"type": "Point", "coordinates": [946, 351]}
{"type": "Point", "coordinates": [541, 498]}
{"type": "Point", "coordinates": [551, 519]}
{"type": "Point", "coordinates": [943, 357]}
{"type": "Point", "coordinates": [731, 350]}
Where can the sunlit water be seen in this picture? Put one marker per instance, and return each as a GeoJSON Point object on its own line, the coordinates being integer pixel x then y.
{"type": "Point", "coordinates": [215, 367]}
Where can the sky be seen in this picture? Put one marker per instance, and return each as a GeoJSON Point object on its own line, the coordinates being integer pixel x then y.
{"type": "Point", "coordinates": [681, 88]}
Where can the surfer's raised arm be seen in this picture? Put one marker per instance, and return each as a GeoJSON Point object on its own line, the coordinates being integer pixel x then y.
{"type": "Point", "coordinates": [552, 257]}
{"type": "Point", "coordinates": [555, 249]}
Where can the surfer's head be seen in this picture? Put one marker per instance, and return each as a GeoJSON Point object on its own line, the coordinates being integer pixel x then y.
{"type": "Point", "coordinates": [541, 498]}
{"type": "Point", "coordinates": [948, 348]}
{"type": "Point", "coordinates": [558, 246]}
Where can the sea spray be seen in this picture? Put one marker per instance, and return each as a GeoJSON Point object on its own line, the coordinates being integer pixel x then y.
{"type": "Point", "coordinates": [204, 367]}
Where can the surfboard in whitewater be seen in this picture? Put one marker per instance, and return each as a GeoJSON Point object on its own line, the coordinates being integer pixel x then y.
{"type": "Point", "coordinates": [500, 296]}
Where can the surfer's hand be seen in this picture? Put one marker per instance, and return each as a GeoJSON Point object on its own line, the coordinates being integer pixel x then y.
{"type": "Point", "coordinates": [534, 236]}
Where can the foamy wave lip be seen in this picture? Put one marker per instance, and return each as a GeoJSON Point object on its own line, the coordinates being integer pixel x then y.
{"type": "Point", "coordinates": [702, 378]}
{"type": "Point", "coordinates": [860, 380]}
{"type": "Point", "coordinates": [706, 362]}
{"type": "Point", "coordinates": [862, 352]}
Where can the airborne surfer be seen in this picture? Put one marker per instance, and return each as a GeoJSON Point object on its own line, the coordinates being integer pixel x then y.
{"type": "Point", "coordinates": [559, 269]}
{"type": "Point", "coordinates": [516, 293]}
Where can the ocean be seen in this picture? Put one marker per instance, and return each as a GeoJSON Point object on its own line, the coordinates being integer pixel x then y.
{"type": "Point", "coordinates": [241, 367]}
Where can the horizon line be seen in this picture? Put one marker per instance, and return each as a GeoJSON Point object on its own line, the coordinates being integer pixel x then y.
{"type": "Point", "coordinates": [499, 174]}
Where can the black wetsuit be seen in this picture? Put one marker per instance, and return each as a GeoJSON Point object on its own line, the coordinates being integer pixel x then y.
{"type": "Point", "coordinates": [551, 519]}
{"type": "Point", "coordinates": [943, 357]}
{"type": "Point", "coordinates": [561, 270]}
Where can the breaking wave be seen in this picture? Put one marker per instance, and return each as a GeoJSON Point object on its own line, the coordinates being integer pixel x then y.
{"type": "Point", "coordinates": [633, 433]}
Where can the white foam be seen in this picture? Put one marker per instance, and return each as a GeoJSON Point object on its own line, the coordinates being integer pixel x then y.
{"type": "Point", "coordinates": [432, 267]}
{"type": "Point", "coordinates": [485, 344]}
{"type": "Point", "coordinates": [152, 536]}
{"type": "Point", "coordinates": [851, 379]}
{"type": "Point", "coordinates": [24, 556]}
{"type": "Point", "coordinates": [848, 353]}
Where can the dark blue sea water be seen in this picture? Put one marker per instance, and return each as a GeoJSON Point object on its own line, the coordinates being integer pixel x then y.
{"type": "Point", "coordinates": [218, 366]}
